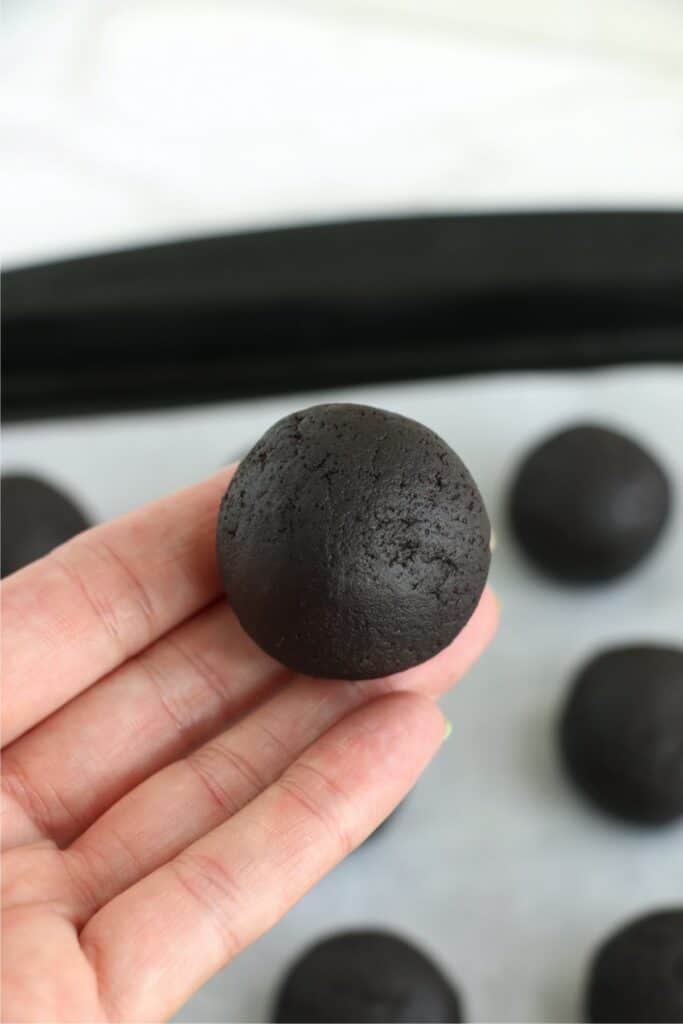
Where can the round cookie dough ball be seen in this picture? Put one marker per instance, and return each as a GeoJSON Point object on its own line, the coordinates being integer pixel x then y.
{"type": "Point", "coordinates": [366, 976]}
{"type": "Point", "coordinates": [637, 975]}
{"type": "Point", "coordinates": [36, 517]}
{"type": "Point", "coordinates": [621, 732]}
{"type": "Point", "coordinates": [588, 504]}
{"type": "Point", "coordinates": [353, 542]}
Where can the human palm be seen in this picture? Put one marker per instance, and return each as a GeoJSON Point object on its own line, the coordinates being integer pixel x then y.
{"type": "Point", "coordinates": [169, 791]}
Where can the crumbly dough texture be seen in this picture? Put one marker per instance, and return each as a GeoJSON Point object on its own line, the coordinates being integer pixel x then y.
{"type": "Point", "coordinates": [353, 542]}
{"type": "Point", "coordinates": [366, 976]}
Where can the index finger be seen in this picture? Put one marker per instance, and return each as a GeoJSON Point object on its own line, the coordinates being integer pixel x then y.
{"type": "Point", "coordinates": [91, 604]}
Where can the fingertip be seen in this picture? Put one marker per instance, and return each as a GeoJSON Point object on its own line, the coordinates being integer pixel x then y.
{"type": "Point", "coordinates": [486, 615]}
{"type": "Point", "coordinates": [477, 633]}
{"type": "Point", "coordinates": [223, 476]}
{"type": "Point", "coordinates": [413, 716]}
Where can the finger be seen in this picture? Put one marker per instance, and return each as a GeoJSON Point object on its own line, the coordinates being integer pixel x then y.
{"type": "Point", "coordinates": [178, 805]}
{"type": "Point", "coordinates": [156, 943]}
{"type": "Point", "coordinates": [92, 603]}
{"type": "Point", "coordinates": [62, 775]}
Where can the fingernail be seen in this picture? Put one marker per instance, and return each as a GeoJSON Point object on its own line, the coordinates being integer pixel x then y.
{"type": "Point", "coordinates": [448, 729]}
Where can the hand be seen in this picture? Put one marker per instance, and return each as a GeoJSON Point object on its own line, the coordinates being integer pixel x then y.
{"type": "Point", "coordinates": [169, 791]}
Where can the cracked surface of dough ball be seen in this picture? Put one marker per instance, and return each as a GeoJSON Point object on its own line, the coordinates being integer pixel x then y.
{"type": "Point", "coordinates": [353, 542]}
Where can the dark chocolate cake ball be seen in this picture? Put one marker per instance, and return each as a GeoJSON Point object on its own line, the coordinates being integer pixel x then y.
{"type": "Point", "coordinates": [36, 517]}
{"type": "Point", "coordinates": [637, 975]}
{"type": "Point", "coordinates": [622, 732]}
{"type": "Point", "coordinates": [353, 542]}
{"type": "Point", "coordinates": [366, 976]}
{"type": "Point", "coordinates": [588, 504]}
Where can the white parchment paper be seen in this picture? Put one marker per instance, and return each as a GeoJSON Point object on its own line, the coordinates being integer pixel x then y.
{"type": "Point", "coordinates": [494, 864]}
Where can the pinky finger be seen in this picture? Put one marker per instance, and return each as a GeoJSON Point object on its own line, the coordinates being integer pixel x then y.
{"type": "Point", "coordinates": [156, 943]}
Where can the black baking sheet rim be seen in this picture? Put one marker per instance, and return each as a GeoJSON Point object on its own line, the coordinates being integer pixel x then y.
{"type": "Point", "coordinates": [323, 305]}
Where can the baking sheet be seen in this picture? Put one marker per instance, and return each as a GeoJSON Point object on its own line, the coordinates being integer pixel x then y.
{"type": "Point", "coordinates": [493, 864]}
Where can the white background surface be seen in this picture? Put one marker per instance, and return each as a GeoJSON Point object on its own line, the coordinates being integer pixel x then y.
{"type": "Point", "coordinates": [494, 864]}
{"type": "Point", "coordinates": [127, 120]}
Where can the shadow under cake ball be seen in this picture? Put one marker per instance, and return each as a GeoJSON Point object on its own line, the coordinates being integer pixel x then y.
{"type": "Point", "coordinates": [637, 974]}
{"type": "Point", "coordinates": [36, 517]}
{"type": "Point", "coordinates": [366, 976]}
{"type": "Point", "coordinates": [621, 732]}
{"type": "Point", "coordinates": [588, 504]}
{"type": "Point", "coordinates": [353, 542]}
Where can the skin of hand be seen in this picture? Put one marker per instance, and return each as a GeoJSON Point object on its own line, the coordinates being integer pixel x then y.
{"type": "Point", "coordinates": [169, 791]}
